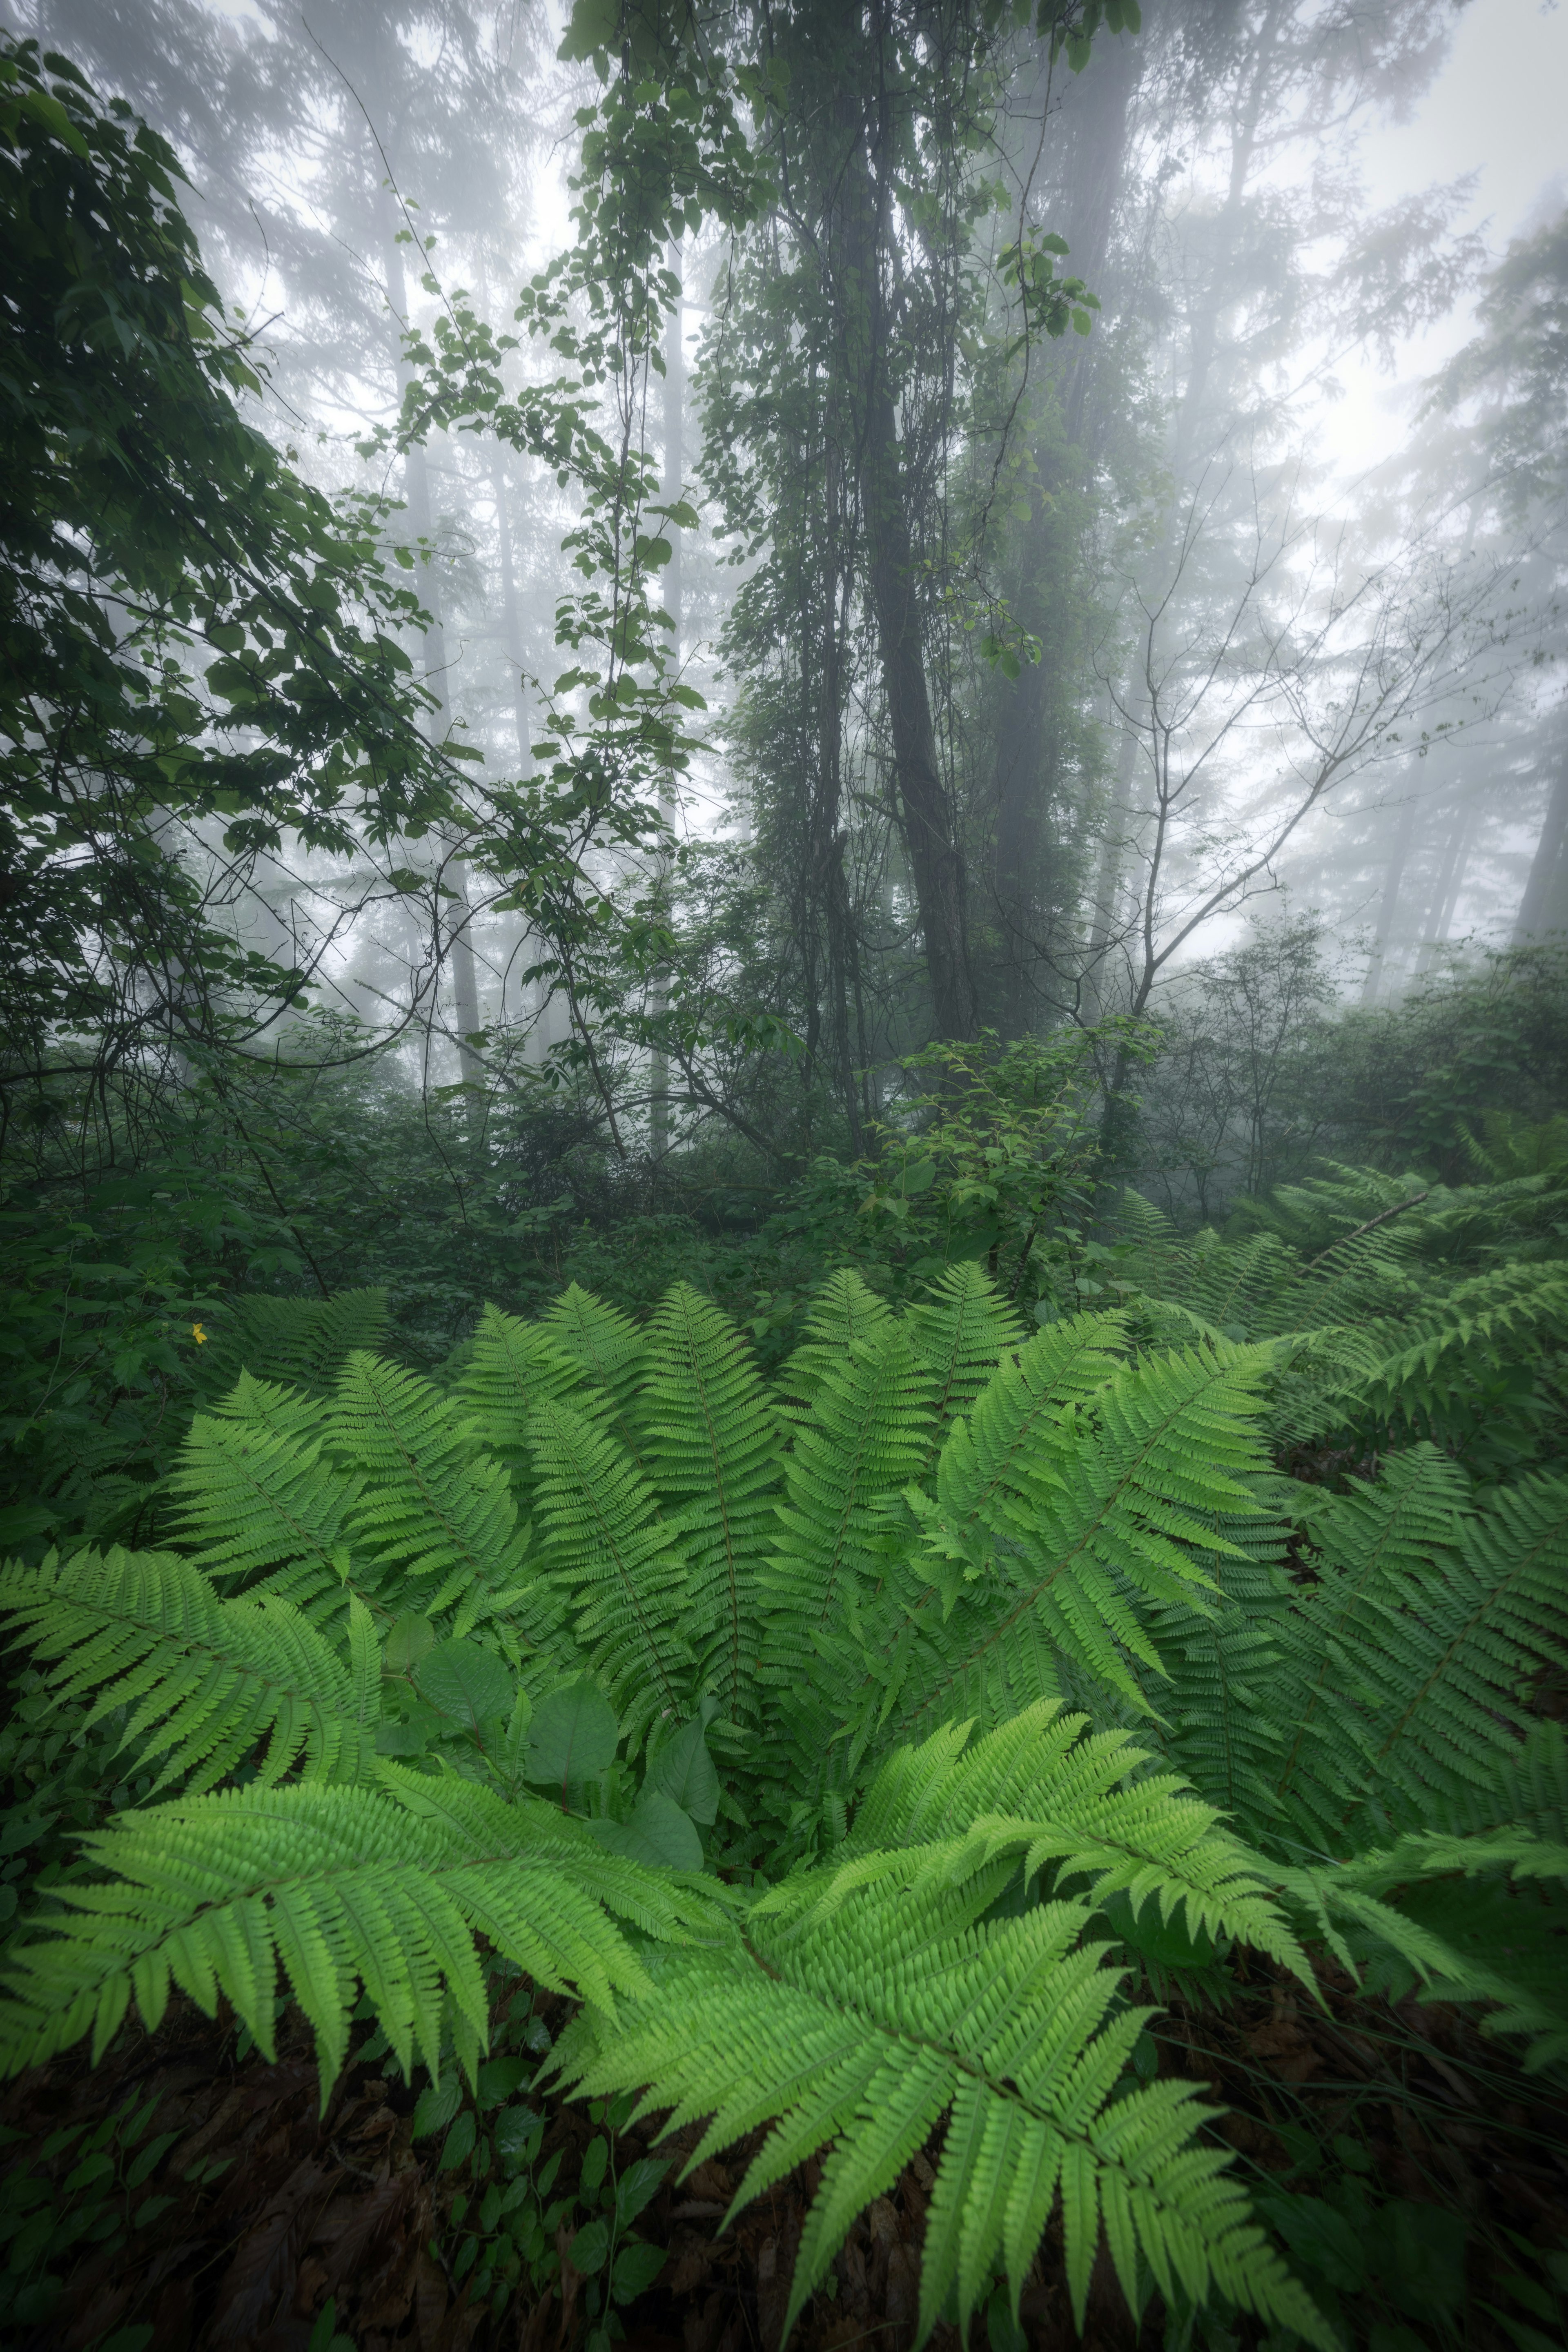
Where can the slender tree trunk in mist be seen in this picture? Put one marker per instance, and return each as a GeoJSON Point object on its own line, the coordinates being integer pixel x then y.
{"type": "Point", "coordinates": [1544, 907]}
{"type": "Point", "coordinates": [1108, 882]}
{"type": "Point", "coordinates": [1404, 841]}
{"type": "Point", "coordinates": [509, 619]}
{"type": "Point", "coordinates": [936, 863]}
{"type": "Point", "coordinates": [1093, 128]}
{"type": "Point", "coordinates": [1450, 882]}
{"type": "Point", "coordinates": [459, 947]}
{"type": "Point", "coordinates": [669, 492]}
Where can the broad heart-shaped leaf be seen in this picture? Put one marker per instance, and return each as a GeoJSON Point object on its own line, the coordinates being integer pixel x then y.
{"type": "Point", "coordinates": [573, 1735]}
{"type": "Point", "coordinates": [407, 1642]}
{"type": "Point", "coordinates": [683, 1770]}
{"type": "Point", "coordinates": [465, 1682]}
{"type": "Point", "coordinates": [658, 1833]}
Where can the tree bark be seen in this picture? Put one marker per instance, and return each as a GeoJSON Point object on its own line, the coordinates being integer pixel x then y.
{"type": "Point", "coordinates": [936, 863]}
{"type": "Point", "coordinates": [1034, 712]}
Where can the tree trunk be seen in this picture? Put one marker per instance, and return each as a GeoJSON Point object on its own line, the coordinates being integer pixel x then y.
{"type": "Point", "coordinates": [1544, 906]}
{"type": "Point", "coordinates": [671, 490]}
{"type": "Point", "coordinates": [1404, 840]}
{"type": "Point", "coordinates": [936, 863]}
{"type": "Point", "coordinates": [1451, 881]}
{"type": "Point", "coordinates": [458, 946]}
{"type": "Point", "coordinates": [1035, 711]}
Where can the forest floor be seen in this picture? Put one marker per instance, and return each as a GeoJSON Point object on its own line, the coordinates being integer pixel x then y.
{"type": "Point", "coordinates": [1411, 2169]}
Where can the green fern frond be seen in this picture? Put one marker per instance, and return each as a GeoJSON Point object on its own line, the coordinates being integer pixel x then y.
{"type": "Point", "coordinates": [1401, 1668]}
{"type": "Point", "coordinates": [1407, 1366]}
{"type": "Point", "coordinates": [961, 1337]}
{"type": "Point", "coordinates": [622, 1565]}
{"type": "Point", "coordinates": [1113, 1507]}
{"type": "Point", "coordinates": [253, 1499]}
{"type": "Point", "coordinates": [712, 1453]}
{"type": "Point", "coordinates": [1217, 1722]}
{"type": "Point", "coordinates": [1480, 1919]}
{"type": "Point", "coordinates": [860, 2033]}
{"type": "Point", "coordinates": [512, 1367]}
{"type": "Point", "coordinates": [844, 1312]}
{"type": "Point", "coordinates": [204, 1680]}
{"type": "Point", "coordinates": [387, 1887]}
{"type": "Point", "coordinates": [862, 1440]}
{"type": "Point", "coordinates": [301, 1342]}
{"type": "Point", "coordinates": [607, 1344]}
{"type": "Point", "coordinates": [433, 1507]}
{"type": "Point", "coordinates": [1045, 1792]}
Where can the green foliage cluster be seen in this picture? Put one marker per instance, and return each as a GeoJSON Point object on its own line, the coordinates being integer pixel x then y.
{"type": "Point", "coordinates": [862, 1748]}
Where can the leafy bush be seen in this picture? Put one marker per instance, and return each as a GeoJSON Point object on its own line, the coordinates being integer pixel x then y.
{"type": "Point", "coordinates": [857, 1749]}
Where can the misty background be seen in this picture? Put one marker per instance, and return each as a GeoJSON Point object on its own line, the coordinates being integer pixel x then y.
{"type": "Point", "coordinates": [1239, 612]}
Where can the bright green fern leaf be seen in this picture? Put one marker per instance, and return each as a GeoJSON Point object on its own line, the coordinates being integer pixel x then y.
{"type": "Point", "coordinates": [712, 1454]}
{"type": "Point", "coordinates": [432, 1506]}
{"type": "Point", "coordinates": [204, 1681]}
{"type": "Point", "coordinates": [861, 2030]}
{"type": "Point", "coordinates": [343, 1886]}
{"type": "Point", "coordinates": [622, 1564]}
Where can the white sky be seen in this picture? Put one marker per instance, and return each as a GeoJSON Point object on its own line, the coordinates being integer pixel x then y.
{"type": "Point", "coordinates": [1499, 108]}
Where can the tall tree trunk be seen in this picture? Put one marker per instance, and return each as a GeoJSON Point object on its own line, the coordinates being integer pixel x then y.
{"type": "Point", "coordinates": [670, 491]}
{"type": "Point", "coordinates": [1033, 711]}
{"type": "Point", "coordinates": [1388, 908]}
{"type": "Point", "coordinates": [936, 863]}
{"type": "Point", "coordinates": [1451, 881]}
{"type": "Point", "coordinates": [1544, 906]}
{"type": "Point", "coordinates": [458, 949]}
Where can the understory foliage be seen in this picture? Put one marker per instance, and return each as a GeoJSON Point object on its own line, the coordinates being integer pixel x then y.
{"type": "Point", "coordinates": [866, 1750]}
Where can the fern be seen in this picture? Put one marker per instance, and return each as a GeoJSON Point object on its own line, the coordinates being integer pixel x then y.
{"type": "Point", "coordinates": [713, 1455]}
{"type": "Point", "coordinates": [961, 1337]}
{"type": "Point", "coordinates": [1113, 1505]}
{"type": "Point", "coordinates": [865, 2007]}
{"type": "Point", "coordinates": [255, 1496]}
{"type": "Point", "coordinates": [1058, 1565]}
{"type": "Point", "coordinates": [619, 1560]}
{"type": "Point", "coordinates": [204, 1680]}
{"type": "Point", "coordinates": [512, 1367]}
{"type": "Point", "coordinates": [387, 1887]}
{"type": "Point", "coordinates": [844, 1313]}
{"type": "Point", "coordinates": [303, 1343]}
{"type": "Point", "coordinates": [863, 1437]}
{"type": "Point", "coordinates": [433, 1507]}
{"type": "Point", "coordinates": [1400, 1672]}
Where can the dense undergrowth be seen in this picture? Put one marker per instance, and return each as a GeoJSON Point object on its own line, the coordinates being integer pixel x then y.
{"type": "Point", "coordinates": [956, 1751]}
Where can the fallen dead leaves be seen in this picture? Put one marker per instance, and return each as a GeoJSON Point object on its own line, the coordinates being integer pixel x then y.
{"type": "Point", "coordinates": [269, 2210]}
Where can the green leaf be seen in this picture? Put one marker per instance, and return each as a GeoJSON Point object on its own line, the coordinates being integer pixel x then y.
{"type": "Point", "coordinates": [437, 2104]}
{"type": "Point", "coordinates": [589, 2248]}
{"type": "Point", "coordinates": [573, 1737]}
{"type": "Point", "coordinates": [465, 1681]}
{"type": "Point", "coordinates": [459, 2144]}
{"type": "Point", "coordinates": [637, 2185]}
{"type": "Point", "coordinates": [409, 1640]}
{"type": "Point", "coordinates": [636, 2269]}
{"type": "Point", "coordinates": [658, 1833]}
{"type": "Point", "coordinates": [683, 1770]}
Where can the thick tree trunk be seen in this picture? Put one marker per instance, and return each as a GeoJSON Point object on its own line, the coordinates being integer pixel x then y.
{"type": "Point", "coordinates": [936, 863]}
{"type": "Point", "coordinates": [1035, 712]}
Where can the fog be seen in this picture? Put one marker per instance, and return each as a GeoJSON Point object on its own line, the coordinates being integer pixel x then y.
{"type": "Point", "coordinates": [1237, 611]}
